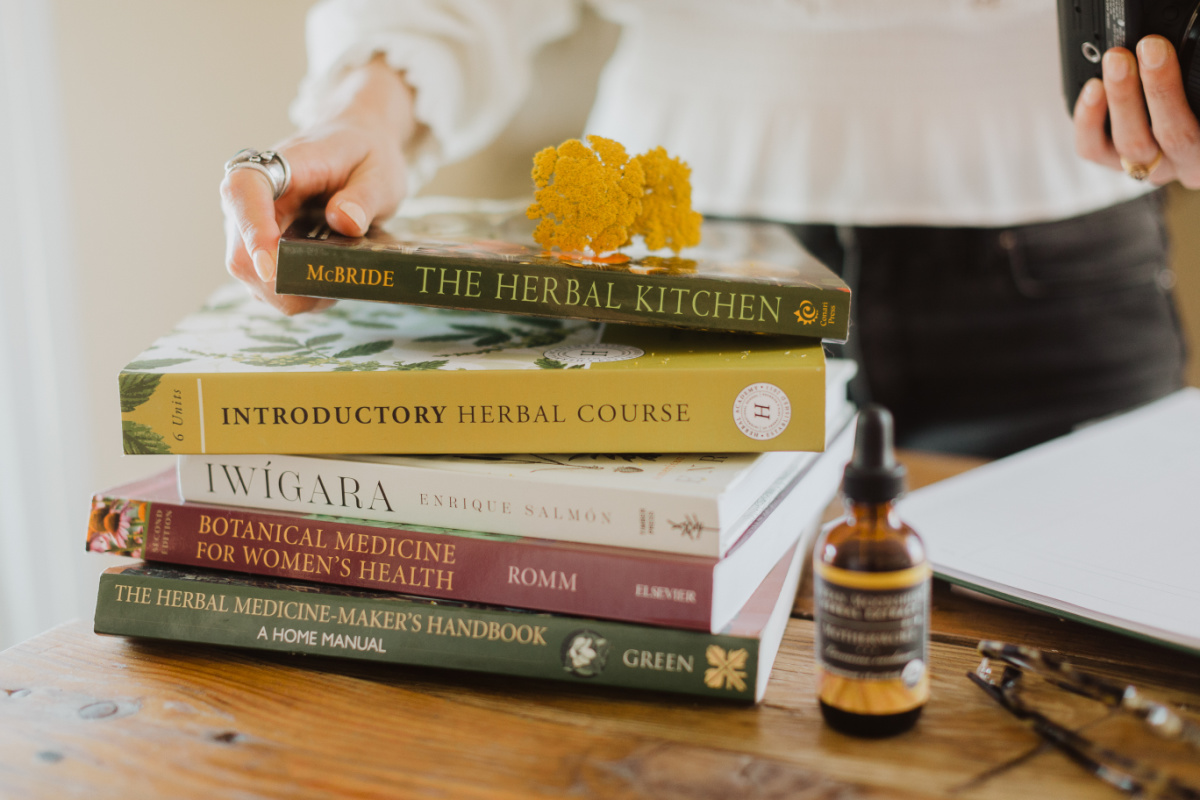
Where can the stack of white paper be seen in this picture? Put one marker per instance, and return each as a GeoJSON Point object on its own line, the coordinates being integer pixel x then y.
{"type": "Point", "coordinates": [1101, 525]}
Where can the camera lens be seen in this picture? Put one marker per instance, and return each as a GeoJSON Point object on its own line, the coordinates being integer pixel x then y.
{"type": "Point", "coordinates": [1189, 63]}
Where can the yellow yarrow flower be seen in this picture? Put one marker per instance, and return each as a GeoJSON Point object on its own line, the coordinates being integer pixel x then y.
{"type": "Point", "coordinates": [598, 198]}
{"type": "Point", "coordinates": [667, 218]}
{"type": "Point", "coordinates": [586, 198]}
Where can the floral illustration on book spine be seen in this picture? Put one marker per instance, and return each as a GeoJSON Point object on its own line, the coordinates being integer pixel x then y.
{"type": "Point", "coordinates": [117, 526]}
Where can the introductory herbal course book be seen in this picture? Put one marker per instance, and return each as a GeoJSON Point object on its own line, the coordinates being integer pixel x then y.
{"type": "Point", "coordinates": [744, 276]}
{"type": "Point", "coordinates": [238, 377]}
{"type": "Point", "coordinates": [223, 608]}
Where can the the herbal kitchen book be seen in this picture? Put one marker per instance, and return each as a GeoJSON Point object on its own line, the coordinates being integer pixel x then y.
{"type": "Point", "coordinates": [450, 253]}
{"type": "Point", "coordinates": [147, 520]}
{"type": "Point", "coordinates": [223, 608]}
{"type": "Point", "coordinates": [238, 377]}
{"type": "Point", "coordinates": [697, 504]}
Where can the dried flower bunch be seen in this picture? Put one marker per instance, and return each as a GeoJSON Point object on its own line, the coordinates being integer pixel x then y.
{"type": "Point", "coordinates": [594, 196]}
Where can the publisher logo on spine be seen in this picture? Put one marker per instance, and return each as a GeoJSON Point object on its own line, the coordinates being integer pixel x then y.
{"type": "Point", "coordinates": [807, 313]}
{"type": "Point", "coordinates": [585, 653]}
{"type": "Point", "coordinates": [762, 411]}
{"type": "Point", "coordinates": [592, 353]}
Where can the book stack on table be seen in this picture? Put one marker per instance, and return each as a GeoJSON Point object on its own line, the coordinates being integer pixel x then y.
{"type": "Point", "coordinates": [659, 547]}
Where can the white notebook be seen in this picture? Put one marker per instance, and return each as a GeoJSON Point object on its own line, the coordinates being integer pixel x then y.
{"type": "Point", "coordinates": [1101, 525]}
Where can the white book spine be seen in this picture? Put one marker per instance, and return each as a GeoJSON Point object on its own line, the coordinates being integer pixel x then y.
{"type": "Point", "coordinates": [586, 514]}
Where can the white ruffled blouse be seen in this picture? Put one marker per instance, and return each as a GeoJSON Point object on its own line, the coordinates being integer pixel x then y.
{"type": "Point", "coordinates": [870, 112]}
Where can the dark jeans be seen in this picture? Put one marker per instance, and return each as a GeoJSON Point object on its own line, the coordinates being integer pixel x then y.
{"type": "Point", "coordinates": [986, 341]}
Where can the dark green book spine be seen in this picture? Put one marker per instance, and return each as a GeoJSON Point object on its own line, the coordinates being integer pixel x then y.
{"type": "Point", "coordinates": [212, 608]}
{"type": "Point", "coordinates": [603, 295]}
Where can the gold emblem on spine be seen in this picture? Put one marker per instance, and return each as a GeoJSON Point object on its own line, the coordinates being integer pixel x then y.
{"type": "Point", "coordinates": [727, 670]}
{"type": "Point", "coordinates": [807, 313]}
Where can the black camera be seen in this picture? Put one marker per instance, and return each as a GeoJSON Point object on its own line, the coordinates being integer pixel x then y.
{"type": "Point", "coordinates": [1086, 28]}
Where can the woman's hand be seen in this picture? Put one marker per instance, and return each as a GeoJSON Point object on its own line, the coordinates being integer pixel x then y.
{"type": "Point", "coordinates": [353, 156]}
{"type": "Point", "coordinates": [1131, 87]}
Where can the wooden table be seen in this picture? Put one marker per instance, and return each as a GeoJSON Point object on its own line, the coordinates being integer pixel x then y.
{"type": "Point", "coordinates": [98, 717]}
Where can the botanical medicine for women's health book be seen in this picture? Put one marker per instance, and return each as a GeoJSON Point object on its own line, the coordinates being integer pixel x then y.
{"type": "Point", "coordinates": [238, 377]}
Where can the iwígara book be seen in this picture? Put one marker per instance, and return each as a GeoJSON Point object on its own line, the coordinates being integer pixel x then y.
{"type": "Point", "coordinates": [450, 253]}
{"type": "Point", "coordinates": [223, 608]}
{"type": "Point", "coordinates": [147, 520]}
{"type": "Point", "coordinates": [238, 377]}
{"type": "Point", "coordinates": [697, 504]}
{"type": "Point", "coordinates": [1098, 525]}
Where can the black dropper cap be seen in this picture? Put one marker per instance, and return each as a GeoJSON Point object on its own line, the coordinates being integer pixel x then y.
{"type": "Point", "coordinates": [873, 475]}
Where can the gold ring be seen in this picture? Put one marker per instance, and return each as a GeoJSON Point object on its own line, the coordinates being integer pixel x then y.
{"type": "Point", "coordinates": [1139, 172]}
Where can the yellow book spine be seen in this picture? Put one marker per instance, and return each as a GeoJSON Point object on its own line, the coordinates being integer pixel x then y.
{"type": "Point", "coordinates": [603, 409]}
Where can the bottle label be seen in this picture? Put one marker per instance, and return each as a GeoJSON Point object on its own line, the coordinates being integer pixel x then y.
{"type": "Point", "coordinates": [872, 638]}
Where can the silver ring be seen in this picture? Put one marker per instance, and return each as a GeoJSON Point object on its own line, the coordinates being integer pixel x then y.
{"type": "Point", "coordinates": [269, 163]}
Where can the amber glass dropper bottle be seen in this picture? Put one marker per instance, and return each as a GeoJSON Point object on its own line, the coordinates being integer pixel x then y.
{"type": "Point", "coordinates": [871, 585]}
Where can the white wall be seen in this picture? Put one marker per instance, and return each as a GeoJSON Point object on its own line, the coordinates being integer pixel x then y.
{"type": "Point", "coordinates": [157, 96]}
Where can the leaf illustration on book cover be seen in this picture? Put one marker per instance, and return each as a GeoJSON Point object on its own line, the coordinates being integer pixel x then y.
{"type": "Point", "coordinates": [361, 366]}
{"type": "Point", "coordinates": [156, 363]}
{"type": "Point", "coordinates": [367, 323]}
{"type": "Point", "coordinates": [281, 322]}
{"type": "Point", "coordinates": [550, 363]}
{"type": "Point", "coordinates": [274, 338]}
{"type": "Point", "coordinates": [483, 335]}
{"type": "Point", "coordinates": [516, 338]}
{"type": "Point", "coordinates": [142, 440]}
{"type": "Point", "coordinates": [418, 365]}
{"type": "Point", "coordinates": [221, 307]}
{"type": "Point", "coordinates": [367, 349]}
{"type": "Point", "coordinates": [136, 389]}
{"type": "Point", "coordinates": [726, 670]}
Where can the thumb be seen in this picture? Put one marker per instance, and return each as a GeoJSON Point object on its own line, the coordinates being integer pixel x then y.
{"type": "Point", "coordinates": [372, 190]}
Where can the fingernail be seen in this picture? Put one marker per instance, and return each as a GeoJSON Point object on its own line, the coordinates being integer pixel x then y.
{"type": "Point", "coordinates": [1116, 65]}
{"type": "Point", "coordinates": [1152, 52]}
{"type": "Point", "coordinates": [1093, 91]}
{"type": "Point", "coordinates": [264, 264]}
{"type": "Point", "coordinates": [354, 211]}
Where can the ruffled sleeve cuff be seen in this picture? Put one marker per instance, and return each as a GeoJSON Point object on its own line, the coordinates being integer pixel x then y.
{"type": "Point", "coordinates": [469, 62]}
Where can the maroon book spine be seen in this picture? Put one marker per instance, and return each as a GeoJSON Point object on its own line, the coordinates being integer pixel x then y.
{"type": "Point", "coordinates": [587, 580]}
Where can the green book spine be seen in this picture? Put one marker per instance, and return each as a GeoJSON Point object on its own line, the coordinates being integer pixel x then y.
{"type": "Point", "coordinates": [754, 280]}
{"type": "Point", "coordinates": [262, 614]}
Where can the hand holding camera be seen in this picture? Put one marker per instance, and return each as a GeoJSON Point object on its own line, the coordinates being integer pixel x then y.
{"type": "Point", "coordinates": [1134, 113]}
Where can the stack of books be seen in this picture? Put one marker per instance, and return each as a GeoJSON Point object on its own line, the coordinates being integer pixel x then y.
{"type": "Point", "coordinates": [346, 484]}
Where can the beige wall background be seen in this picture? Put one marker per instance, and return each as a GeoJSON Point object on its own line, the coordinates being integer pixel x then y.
{"type": "Point", "coordinates": [157, 95]}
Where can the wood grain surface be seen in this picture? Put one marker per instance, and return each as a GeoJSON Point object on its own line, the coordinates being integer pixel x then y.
{"type": "Point", "coordinates": [105, 717]}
